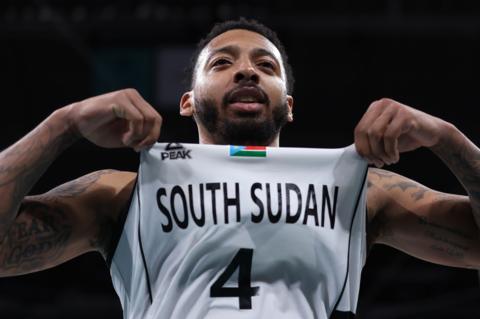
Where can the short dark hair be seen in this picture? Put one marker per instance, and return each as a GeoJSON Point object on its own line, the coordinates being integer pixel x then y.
{"type": "Point", "coordinates": [245, 24]}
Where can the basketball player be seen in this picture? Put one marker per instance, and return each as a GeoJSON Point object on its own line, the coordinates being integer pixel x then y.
{"type": "Point", "coordinates": [240, 94]}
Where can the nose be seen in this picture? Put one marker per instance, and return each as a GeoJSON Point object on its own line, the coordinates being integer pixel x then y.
{"type": "Point", "coordinates": [246, 74]}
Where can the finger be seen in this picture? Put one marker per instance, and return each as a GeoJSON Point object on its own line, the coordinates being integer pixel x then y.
{"type": "Point", "coordinates": [397, 130]}
{"type": "Point", "coordinates": [363, 148]}
{"type": "Point", "coordinates": [127, 111]}
{"type": "Point", "coordinates": [374, 110]}
{"type": "Point", "coordinates": [152, 137]}
{"type": "Point", "coordinates": [392, 134]}
{"type": "Point", "coordinates": [361, 136]}
{"type": "Point", "coordinates": [152, 120]}
{"type": "Point", "coordinates": [376, 135]}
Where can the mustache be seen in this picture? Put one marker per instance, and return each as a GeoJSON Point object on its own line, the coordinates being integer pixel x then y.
{"type": "Point", "coordinates": [227, 97]}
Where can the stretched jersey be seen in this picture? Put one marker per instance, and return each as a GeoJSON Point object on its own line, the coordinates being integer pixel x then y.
{"type": "Point", "coordinates": [218, 231]}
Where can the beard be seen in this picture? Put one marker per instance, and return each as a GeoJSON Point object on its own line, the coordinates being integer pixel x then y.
{"type": "Point", "coordinates": [245, 128]}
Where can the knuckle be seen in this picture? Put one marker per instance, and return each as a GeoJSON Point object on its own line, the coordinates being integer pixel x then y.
{"type": "Point", "coordinates": [137, 125]}
{"type": "Point", "coordinates": [137, 118]}
{"type": "Point", "coordinates": [388, 142]}
{"type": "Point", "coordinates": [131, 91]}
{"type": "Point", "coordinates": [373, 105]}
{"type": "Point", "coordinates": [389, 135]}
{"type": "Point", "coordinates": [153, 117]}
{"type": "Point", "coordinates": [374, 134]}
{"type": "Point", "coordinates": [359, 130]}
{"type": "Point", "coordinates": [384, 101]}
{"type": "Point", "coordinates": [361, 151]}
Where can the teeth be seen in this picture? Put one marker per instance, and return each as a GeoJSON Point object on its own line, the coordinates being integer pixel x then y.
{"type": "Point", "coordinates": [246, 100]}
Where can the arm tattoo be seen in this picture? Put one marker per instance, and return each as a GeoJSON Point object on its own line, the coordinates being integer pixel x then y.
{"type": "Point", "coordinates": [35, 241]}
{"type": "Point", "coordinates": [381, 173]}
{"type": "Point", "coordinates": [402, 185]}
{"type": "Point", "coordinates": [445, 240]}
{"type": "Point", "coordinates": [432, 225]}
{"type": "Point", "coordinates": [22, 164]}
{"type": "Point", "coordinates": [463, 158]}
{"type": "Point", "coordinates": [417, 191]}
{"type": "Point", "coordinates": [105, 223]}
{"type": "Point", "coordinates": [77, 186]}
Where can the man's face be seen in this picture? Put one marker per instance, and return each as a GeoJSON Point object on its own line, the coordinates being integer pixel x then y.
{"type": "Point", "coordinates": [239, 93]}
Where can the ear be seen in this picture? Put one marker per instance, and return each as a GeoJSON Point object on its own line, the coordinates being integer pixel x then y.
{"type": "Point", "coordinates": [187, 104]}
{"type": "Point", "coordinates": [290, 108]}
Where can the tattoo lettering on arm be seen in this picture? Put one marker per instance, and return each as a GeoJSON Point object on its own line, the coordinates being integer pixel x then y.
{"type": "Point", "coordinates": [444, 240]}
{"type": "Point", "coordinates": [431, 225]}
{"type": "Point", "coordinates": [55, 226]}
{"type": "Point", "coordinates": [104, 224]}
{"type": "Point", "coordinates": [435, 226]}
{"type": "Point", "coordinates": [38, 237]}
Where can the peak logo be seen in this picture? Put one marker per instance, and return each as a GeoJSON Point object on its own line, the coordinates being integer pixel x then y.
{"type": "Point", "coordinates": [174, 151]}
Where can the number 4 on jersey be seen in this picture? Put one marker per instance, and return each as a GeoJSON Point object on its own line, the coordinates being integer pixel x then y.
{"type": "Point", "coordinates": [244, 291]}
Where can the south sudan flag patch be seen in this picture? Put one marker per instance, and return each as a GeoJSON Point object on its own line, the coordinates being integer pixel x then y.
{"type": "Point", "coordinates": [248, 151]}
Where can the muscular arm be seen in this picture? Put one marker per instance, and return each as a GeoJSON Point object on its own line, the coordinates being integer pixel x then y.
{"type": "Point", "coordinates": [40, 231]}
{"type": "Point", "coordinates": [441, 228]}
{"type": "Point", "coordinates": [22, 164]}
{"type": "Point", "coordinates": [427, 224]}
{"type": "Point", "coordinates": [463, 159]}
{"type": "Point", "coordinates": [69, 220]}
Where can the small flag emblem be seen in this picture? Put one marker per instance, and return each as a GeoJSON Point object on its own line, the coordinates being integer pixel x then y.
{"type": "Point", "coordinates": [248, 151]}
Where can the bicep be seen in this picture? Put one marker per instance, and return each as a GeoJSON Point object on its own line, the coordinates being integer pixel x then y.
{"type": "Point", "coordinates": [424, 223]}
{"type": "Point", "coordinates": [44, 234]}
{"type": "Point", "coordinates": [67, 221]}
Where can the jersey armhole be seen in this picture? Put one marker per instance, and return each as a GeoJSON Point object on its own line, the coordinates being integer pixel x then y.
{"type": "Point", "coordinates": [119, 226]}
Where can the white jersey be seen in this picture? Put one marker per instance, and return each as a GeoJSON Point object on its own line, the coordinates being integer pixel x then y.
{"type": "Point", "coordinates": [217, 231]}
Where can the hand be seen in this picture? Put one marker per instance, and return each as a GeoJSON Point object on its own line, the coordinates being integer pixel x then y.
{"type": "Point", "coordinates": [117, 119]}
{"type": "Point", "coordinates": [389, 128]}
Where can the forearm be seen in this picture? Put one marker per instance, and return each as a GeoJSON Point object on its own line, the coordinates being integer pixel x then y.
{"type": "Point", "coordinates": [463, 159]}
{"type": "Point", "coordinates": [22, 164]}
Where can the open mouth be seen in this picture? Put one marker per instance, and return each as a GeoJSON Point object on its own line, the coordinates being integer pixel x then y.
{"type": "Point", "coordinates": [247, 99]}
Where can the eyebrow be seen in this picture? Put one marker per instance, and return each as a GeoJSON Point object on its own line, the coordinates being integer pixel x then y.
{"type": "Point", "coordinates": [262, 52]}
{"type": "Point", "coordinates": [234, 50]}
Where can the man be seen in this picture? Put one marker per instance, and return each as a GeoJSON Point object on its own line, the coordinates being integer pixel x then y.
{"type": "Point", "coordinates": [240, 94]}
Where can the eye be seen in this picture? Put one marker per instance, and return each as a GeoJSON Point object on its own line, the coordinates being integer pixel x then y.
{"type": "Point", "coordinates": [267, 64]}
{"type": "Point", "coordinates": [221, 62]}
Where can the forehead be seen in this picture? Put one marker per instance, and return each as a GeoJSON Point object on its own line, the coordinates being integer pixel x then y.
{"type": "Point", "coordinates": [244, 39]}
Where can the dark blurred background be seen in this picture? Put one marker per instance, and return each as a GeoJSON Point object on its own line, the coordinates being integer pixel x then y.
{"type": "Point", "coordinates": [345, 54]}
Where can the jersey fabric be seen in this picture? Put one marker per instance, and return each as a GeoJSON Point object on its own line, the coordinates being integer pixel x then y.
{"type": "Point", "coordinates": [218, 231]}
